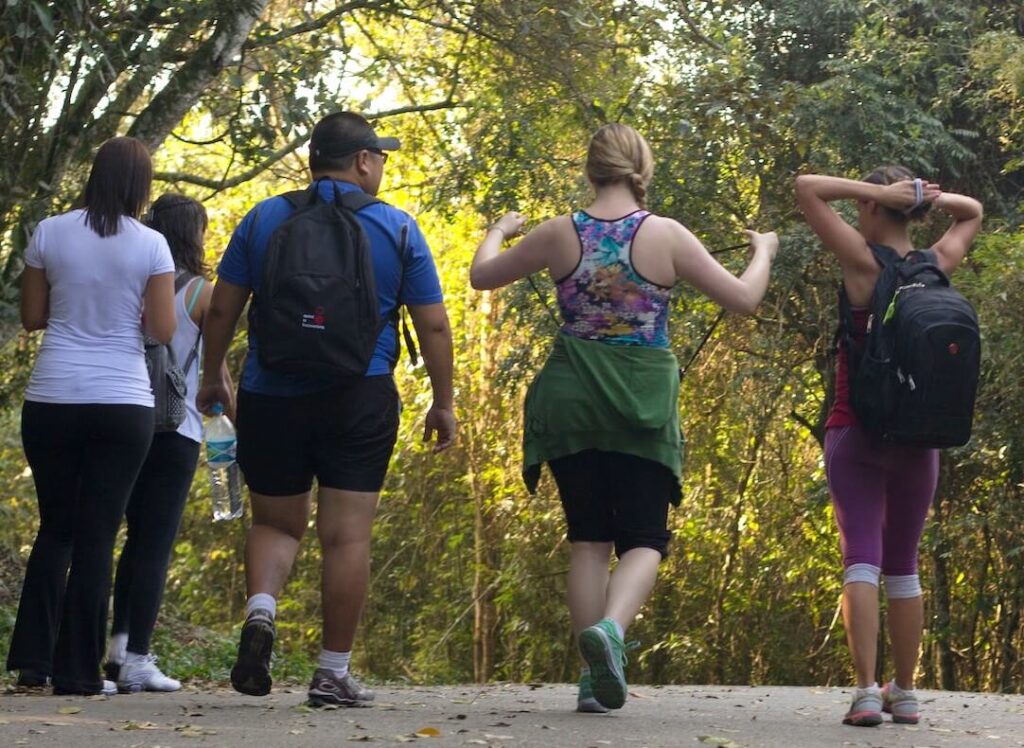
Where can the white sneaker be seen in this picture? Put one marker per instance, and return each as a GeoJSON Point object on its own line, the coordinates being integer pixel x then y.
{"type": "Point", "coordinates": [140, 673]}
{"type": "Point", "coordinates": [109, 688]}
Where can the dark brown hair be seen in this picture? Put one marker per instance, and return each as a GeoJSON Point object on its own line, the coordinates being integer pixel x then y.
{"type": "Point", "coordinates": [890, 175]}
{"type": "Point", "coordinates": [183, 223]}
{"type": "Point", "coordinates": [118, 185]}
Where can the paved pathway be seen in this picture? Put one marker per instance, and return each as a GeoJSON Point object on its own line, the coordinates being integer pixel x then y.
{"type": "Point", "coordinates": [503, 715]}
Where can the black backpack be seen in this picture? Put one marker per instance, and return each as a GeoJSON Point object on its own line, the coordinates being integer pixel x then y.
{"type": "Point", "coordinates": [913, 380]}
{"type": "Point", "coordinates": [317, 311]}
{"type": "Point", "coordinates": [166, 378]}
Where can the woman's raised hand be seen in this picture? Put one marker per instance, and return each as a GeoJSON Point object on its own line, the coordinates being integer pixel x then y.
{"type": "Point", "coordinates": [904, 195]}
{"type": "Point", "coordinates": [766, 242]}
{"type": "Point", "coordinates": [510, 224]}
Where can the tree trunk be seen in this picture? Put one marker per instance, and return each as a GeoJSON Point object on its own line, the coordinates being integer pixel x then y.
{"type": "Point", "coordinates": [189, 82]}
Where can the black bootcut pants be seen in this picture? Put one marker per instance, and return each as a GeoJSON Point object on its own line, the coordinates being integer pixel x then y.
{"type": "Point", "coordinates": [84, 461]}
{"type": "Point", "coordinates": [154, 514]}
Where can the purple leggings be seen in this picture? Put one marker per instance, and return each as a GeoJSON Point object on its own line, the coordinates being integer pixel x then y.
{"type": "Point", "coordinates": [880, 495]}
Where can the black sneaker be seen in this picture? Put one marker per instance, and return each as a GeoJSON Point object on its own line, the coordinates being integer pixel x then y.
{"type": "Point", "coordinates": [327, 688]}
{"type": "Point", "coordinates": [251, 673]}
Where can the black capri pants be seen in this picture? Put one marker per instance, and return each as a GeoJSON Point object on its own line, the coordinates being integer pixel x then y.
{"type": "Point", "coordinates": [613, 497]}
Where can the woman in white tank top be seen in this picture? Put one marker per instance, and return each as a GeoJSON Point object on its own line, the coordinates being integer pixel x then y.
{"type": "Point", "coordinates": [161, 490]}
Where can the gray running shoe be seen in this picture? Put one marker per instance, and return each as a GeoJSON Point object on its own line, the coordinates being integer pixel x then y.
{"type": "Point", "coordinates": [902, 705]}
{"type": "Point", "coordinates": [327, 688]}
{"type": "Point", "coordinates": [866, 708]}
{"type": "Point", "coordinates": [251, 673]}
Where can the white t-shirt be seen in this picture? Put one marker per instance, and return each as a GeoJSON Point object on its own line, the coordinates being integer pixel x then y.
{"type": "Point", "coordinates": [92, 349]}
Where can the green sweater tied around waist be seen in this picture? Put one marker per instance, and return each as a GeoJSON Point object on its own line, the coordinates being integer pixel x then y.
{"type": "Point", "coordinates": [615, 398]}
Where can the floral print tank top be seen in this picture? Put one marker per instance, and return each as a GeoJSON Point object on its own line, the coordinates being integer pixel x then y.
{"type": "Point", "coordinates": [605, 298]}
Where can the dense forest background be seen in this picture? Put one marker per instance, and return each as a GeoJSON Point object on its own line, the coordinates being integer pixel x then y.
{"type": "Point", "coordinates": [494, 101]}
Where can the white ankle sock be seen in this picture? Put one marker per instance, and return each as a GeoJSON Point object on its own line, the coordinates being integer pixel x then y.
{"type": "Point", "coordinates": [895, 690]}
{"type": "Point", "coordinates": [261, 601]}
{"type": "Point", "coordinates": [336, 661]}
{"type": "Point", "coordinates": [116, 648]}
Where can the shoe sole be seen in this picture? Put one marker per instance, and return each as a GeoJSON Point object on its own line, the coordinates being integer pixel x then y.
{"type": "Point", "coordinates": [608, 686]}
{"type": "Point", "coordinates": [591, 708]}
{"type": "Point", "coordinates": [140, 687]}
{"type": "Point", "coordinates": [900, 719]}
{"type": "Point", "coordinates": [320, 700]}
{"type": "Point", "coordinates": [863, 719]}
{"type": "Point", "coordinates": [251, 673]}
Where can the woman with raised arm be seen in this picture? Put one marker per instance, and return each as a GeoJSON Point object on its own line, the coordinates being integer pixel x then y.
{"type": "Point", "coordinates": [881, 493]}
{"type": "Point", "coordinates": [94, 279]}
{"type": "Point", "coordinates": [603, 413]}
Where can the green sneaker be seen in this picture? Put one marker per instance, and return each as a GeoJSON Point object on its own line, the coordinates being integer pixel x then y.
{"type": "Point", "coordinates": [585, 701]}
{"type": "Point", "coordinates": [605, 653]}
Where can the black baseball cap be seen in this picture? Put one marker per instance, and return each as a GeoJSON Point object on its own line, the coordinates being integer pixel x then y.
{"type": "Point", "coordinates": [342, 133]}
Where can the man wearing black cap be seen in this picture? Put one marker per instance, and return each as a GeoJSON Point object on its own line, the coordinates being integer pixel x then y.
{"type": "Point", "coordinates": [294, 427]}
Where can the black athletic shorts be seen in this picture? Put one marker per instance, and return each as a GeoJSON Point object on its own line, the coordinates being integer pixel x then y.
{"type": "Point", "coordinates": [612, 497]}
{"type": "Point", "coordinates": [343, 437]}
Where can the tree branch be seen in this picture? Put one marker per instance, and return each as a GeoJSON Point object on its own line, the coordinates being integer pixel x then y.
{"type": "Point", "coordinates": [222, 184]}
{"type": "Point", "coordinates": [699, 35]}
{"type": "Point", "coordinates": [314, 25]}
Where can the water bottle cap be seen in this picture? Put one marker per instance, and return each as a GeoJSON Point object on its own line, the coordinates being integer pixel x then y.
{"type": "Point", "coordinates": [217, 409]}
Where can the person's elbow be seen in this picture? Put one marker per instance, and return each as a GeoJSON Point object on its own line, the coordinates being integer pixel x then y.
{"type": "Point", "coordinates": [745, 303]}
{"type": "Point", "coordinates": [980, 215]}
{"type": "Point", "coordinates": [804, 188]}
{"type": "Point", "coordinates": [431, 324]}
{"type": "Point", "coordinates": [479, 281]}
{"type": "Point", "coordinates": [436, 325]}
{"type": "Point", "coordinates": [33, 321]}
{"type": "Point", "coordinates": [161, 328]}
{"type": "Point", "coordinates": [746, 307]}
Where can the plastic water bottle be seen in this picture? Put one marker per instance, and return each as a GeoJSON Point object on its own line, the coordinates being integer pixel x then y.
{"type": "Point", "coordinates": [225, 479]}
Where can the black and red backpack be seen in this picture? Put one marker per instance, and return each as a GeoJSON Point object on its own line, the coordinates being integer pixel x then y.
{"type": "Point", "coordinates": [914, 375]}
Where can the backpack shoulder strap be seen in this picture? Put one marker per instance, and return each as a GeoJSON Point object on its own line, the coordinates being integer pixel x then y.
{"type": "Point", "coordinates": [297, 198]}
{"type": "Point", "coordinates": [356, 200]}
{"type": "Point", "coordinates": [181, 280]}
{"type": "Point", "coordinates": [410, 344]}
{"type": "Point", "coordinates": [884, 255]}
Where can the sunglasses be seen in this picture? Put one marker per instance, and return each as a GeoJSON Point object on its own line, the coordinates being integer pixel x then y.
{"type": "Point", "coordinates": [383, 155]}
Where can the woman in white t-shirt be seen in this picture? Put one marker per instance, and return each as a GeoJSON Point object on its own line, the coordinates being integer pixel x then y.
{"type": "Point", "coordinates": [161, 490]}
{"type": "Point", "coordinates": [87, 421]}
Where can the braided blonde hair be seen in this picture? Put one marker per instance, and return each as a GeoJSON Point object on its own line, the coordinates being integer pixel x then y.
{"type": "Point", "coordinates": [618, 153]}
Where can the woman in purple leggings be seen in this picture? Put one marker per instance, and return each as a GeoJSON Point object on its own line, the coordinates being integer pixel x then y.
{"type": "Point", "coordinates": [881, 493]}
